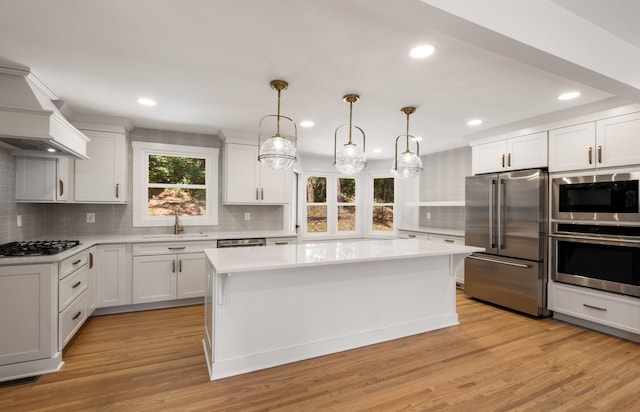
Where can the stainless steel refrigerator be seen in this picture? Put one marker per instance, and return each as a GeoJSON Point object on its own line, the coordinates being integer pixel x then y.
{"type": "Point", "coordinates": [506, 213]}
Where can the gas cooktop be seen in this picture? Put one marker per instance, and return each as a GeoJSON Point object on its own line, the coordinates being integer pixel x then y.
{"type": "Point", "coordinates": [36, 247]}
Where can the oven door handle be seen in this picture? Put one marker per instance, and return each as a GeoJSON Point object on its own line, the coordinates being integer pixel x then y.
{"type": "Point", "coordinates": [502, 262]}
{"type": "Point", "coordinates": [594, 239]}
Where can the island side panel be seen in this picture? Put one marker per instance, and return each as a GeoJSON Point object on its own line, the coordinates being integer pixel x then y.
{"type": "Point", "coordinates": [267, 318]}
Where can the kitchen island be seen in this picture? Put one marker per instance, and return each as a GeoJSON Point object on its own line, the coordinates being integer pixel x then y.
{"type": "Point", "coordinates": [267, 306]}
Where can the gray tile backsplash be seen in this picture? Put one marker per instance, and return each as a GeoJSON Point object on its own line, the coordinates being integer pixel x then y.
{"type": "Point", "coordinates": [32, 215]}
{"type": "Point", "coordinates": [68, 220]}
{"type": "Point", "coordinates": [443, 179]}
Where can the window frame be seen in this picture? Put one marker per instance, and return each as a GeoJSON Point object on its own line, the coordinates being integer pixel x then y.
{"type": "Point", "coordinates": [372, 204]}
{"type": "Point", "coordinates": [332, 206]}
{"type": "Point", "coordinates": [141, 152]}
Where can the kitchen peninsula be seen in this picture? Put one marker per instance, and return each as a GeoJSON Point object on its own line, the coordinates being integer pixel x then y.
{"type": "Point", "coordinates": [273, 305]}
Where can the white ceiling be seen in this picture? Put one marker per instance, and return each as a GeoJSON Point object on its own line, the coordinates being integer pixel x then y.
{"type": "Point", "coordinates": [208, 64]}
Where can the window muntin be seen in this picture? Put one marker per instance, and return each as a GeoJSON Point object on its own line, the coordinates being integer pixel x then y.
{"type": "Point", "coordinates": [382, 212]}
{"type": "Point", "coordinates": [167, 178]}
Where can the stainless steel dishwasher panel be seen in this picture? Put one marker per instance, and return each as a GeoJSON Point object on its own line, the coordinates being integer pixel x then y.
{"type": "Point", "coordinates": [224, 243]}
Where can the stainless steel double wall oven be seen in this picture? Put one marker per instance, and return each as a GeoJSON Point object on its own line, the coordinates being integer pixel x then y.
{"type": "Point", "coordinates": [595, 231]}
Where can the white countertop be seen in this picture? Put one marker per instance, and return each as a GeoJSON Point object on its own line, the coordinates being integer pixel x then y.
{"type": "Point", "coordinates": [435, 230]}
{"type": "Point", "coordinates": [233, 260]}
{"type": "Point", "coordinates": [89, 241]}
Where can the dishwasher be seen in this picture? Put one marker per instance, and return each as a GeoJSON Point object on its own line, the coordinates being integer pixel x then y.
{"type": "Point", "coordinates": [224, 243]}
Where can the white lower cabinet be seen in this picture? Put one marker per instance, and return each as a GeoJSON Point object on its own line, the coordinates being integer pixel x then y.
{"type": "Point", "coordinates": [28, 316]}
{"type": "Point", "coordinates": [160, 273]}
{"type": "Point", "coordinates": [408, 234]}
{"type": "Point", "coordinates": [92, 280]}
{"type": "Point", "coordinates": [281, 241]}
{"type": "Point", "coordinates": [616, 311]}
{"type": "Point", "coordinates": [113, 275]}
{"type": "Point", "coordinates": [73, 292]}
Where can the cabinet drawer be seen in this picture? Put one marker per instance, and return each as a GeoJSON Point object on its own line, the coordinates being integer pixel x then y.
{"type": "Point", "coordinates": [169, 248]}
{"type": "Point", "coordinates": [281, 241]}
{"type": "Point", "coordinates": [618, 312]}
{"type": "Point", "coordinates": [70, 264]}
{"type": "Point", "coordinates": [72, 286]}
{"type": "Point", "coordinates": [403, 234]}
{"type": "Point", "coordinates": [446, 239]}
{"type": "Point", "coordinates": [70, 320]}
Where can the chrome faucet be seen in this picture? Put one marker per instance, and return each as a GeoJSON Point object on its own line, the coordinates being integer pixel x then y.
{"type": "Point", "coordinates": [176, 226]}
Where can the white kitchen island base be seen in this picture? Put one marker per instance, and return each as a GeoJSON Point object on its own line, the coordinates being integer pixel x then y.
{"type": "Point", "coordinates": [334, 297]}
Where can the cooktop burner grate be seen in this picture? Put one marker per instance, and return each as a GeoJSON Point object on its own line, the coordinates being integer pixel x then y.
{"type": "Point", "coordinates": [36, 248]}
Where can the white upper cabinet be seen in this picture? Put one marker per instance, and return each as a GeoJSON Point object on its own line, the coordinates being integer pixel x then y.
{"type": "Point", "coordinates": [44, 179]}
{"type": "Point", "coordinates": [103, 178]}
{"type": "Point", "coordinates": [516, 153]}
{"type": "Point", "coordinates": [604, 143]}
{"type": "Point", "coordinates": [247, 181]}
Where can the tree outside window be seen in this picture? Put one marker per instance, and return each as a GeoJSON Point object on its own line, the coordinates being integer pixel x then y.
{"type": "Point", "coordinates": [383, 203]}
{"type": "Point", "coordinates": [176, 182]}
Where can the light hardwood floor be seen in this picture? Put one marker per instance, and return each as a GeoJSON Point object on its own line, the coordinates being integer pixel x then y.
{"type": "Point", "coordinates": [495, 360]}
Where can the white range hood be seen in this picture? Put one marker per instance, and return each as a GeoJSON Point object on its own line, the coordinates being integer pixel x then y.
{"type": "Point", "coordinates": [30, 122]}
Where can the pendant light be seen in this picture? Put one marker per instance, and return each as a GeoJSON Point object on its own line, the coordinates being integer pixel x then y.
{"type": "Point", "coordinates": [408, 165]}
{"type": "Point", "coordinates": [278, 152]}
{"type": "Point", "coordinates": [349, 159]}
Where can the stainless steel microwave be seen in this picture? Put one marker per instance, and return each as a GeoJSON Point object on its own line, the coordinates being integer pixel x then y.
{"type": "Point", "coordinates": [606, 197]}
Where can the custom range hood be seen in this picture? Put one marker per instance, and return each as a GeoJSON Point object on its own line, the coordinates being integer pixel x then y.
{"type": "Point", "coordinates": [30, 121]}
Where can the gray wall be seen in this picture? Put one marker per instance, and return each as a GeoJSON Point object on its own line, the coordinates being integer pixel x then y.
{"type": "Point", "coordinates": [443, 179]}
{"type": "Point", "coordinates": [69, 220]}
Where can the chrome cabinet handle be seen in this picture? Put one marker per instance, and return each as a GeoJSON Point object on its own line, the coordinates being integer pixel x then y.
{"type": "Point", "coordinates": [599, 154]}
{"type": "Point", "coordinates": [590, 155]}
{"type": "Point", "coordinates": [594, 307]}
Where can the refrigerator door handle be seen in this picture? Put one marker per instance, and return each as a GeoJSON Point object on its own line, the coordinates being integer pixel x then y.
{"type": "Point", "coordinates": [503, 193]}
{"type": "Point", "coordinates": [519, 265]}
{"type": "Point", "coordinates": [492, 196]}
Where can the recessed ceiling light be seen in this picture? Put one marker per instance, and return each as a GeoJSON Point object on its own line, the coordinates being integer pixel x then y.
{"type": "Point", "coordinates": [51, 150]}
{"type": "Point", "coordinates": [377, 150]}
{"type": "Point", "coordinates": [307, 123]}
{"type": "Point", "coordinates": [474, 122]}
{"type": "Point", "coordinates": [145, 101]}
{"type": "Point", "coordinates": [568, 95]}
{"type": "Point", "coordinates": [422, 51]}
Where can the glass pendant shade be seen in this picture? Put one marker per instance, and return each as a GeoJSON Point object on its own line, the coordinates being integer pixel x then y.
{"type": "Point", "coordinates": [349, 159]}
{"type": "Point", "coordinates": [408, 164]}
{"type": "Point", "coordinates": [278, 152]}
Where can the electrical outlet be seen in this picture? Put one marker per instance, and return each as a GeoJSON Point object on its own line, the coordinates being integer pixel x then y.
{"type": "Point", "coordinates": [247, 216]}
{"type": "Point", "coordinates": [19, 220]}
{"type": "Point", "coordinates": [91, 218]}
{"type": "Point", "coordinates": [428, 215]}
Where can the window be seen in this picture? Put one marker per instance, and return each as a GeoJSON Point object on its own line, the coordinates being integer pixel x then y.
{"type": "Point", "coordinates": [383, 204]}
{"type": "Point", "coordinates": [346, 202]}
{"type": "Point", "coordinates": [316, 204]}
{"type": "Point", "coordinates": [169, 178]}
{"type": "Point", "coordinates": [331, 203]}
